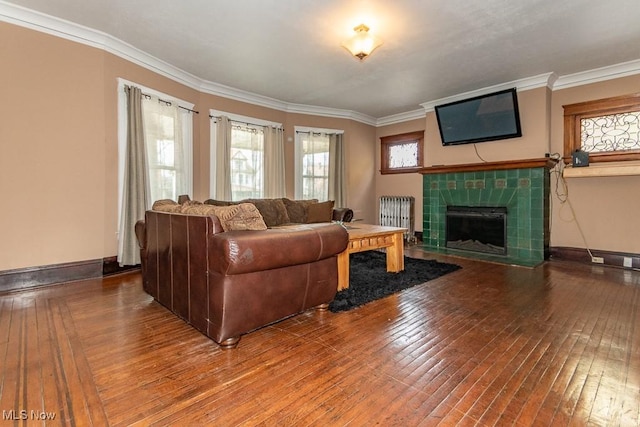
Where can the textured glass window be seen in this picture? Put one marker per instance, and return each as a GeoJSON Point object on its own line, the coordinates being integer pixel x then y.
{"type": "Point", "coordinates": [613, 132]}
{"type": "Point", "coordinates": [403, 155]}
{"type": "Point", "coordinates": [608, 129]}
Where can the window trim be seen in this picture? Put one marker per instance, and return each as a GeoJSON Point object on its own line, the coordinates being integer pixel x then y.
{"type": "Point", "coordinates": [386, 142]}
{"type": "Point", "coordinates": [297, 172]}
{"type": "Point", "coordinates": [233, 117]}
{"type": "Point", "coordinates": [122, 132]}
{"type": "Point", "coordinates": [574, 113]}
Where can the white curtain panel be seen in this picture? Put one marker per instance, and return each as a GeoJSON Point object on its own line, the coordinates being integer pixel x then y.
{"type": "Point", "coordinates": [274, 182]}
{"type": "Point", "coordinates": [222, 148]}
{"type": "Point", "coordinates": [337, 171]}
{"type": "Point", "coordinates": [136, 187]}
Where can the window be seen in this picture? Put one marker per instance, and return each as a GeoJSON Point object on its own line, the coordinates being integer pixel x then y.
{"type": "Point", "coordinates": [247, 157]}
{"type": "Point", "coordinates": [317, 170]}
{"type": "Point", "coordinates": [608, 129]}
{"type": "Point", "coordinates": [168, 151]}
{"type": "Point", "coordinates": [314, 163]}
{"type": "Point", "coordinates": [168, 125]}
{"type": "Point", "coordinates": [247, 160]}
{"type": "Point", "coordinates": [401, 153]}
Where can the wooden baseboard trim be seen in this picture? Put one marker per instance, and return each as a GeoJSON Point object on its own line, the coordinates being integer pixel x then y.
{"type": "Point", "coordinates": [613, 259]}
{"type": "Point", "coordinates": [32, 277]}
{"type": "Point", "coordinates": [110, 267]}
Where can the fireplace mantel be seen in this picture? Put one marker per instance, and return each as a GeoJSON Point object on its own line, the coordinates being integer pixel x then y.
{"type": "Point", "coordinates": [544, 162]}
{"type": "Point", "coordinates": [521, 186]}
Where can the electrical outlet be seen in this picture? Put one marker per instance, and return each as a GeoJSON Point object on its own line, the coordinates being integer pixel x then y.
{"type": "Point", "coordinates": [597, 260]}
{"type": "Point", "coordinates": [627, 262]}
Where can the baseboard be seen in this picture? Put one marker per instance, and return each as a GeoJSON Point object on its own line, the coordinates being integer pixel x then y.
{"type": "Point", "coordinates": [110, 267]}
{"type": "Point", "coordinates": [609, 258]}
{"type": "Point", "coordinates": [34, 277]}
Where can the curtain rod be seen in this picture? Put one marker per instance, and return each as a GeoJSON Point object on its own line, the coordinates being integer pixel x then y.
{"type": "Point", "coordinates": [169, 103]}
{"type": "Point", "coordinates": [245, 123]}
{"type": "Point", "coordinates": [317, 133]}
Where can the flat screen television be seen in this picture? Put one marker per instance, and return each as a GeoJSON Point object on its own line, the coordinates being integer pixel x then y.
{"type": "Point", "coordinates": [483, 118]}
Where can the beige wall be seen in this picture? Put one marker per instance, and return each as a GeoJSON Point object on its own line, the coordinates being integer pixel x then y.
{"type": "Point", "coordinates": [59, 158]}
{"type": "Point", "coordinates": [606, 208]}
{"type": "Point", "coordinates": [534, 143]}
{"type": "Point", "coordinates": [53, 157]}
{"type": "Point", "coordinates": [403, 184]}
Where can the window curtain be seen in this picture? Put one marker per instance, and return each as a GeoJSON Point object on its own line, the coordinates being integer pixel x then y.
{"type": "Point", "coordinates": [136, 184]}
{"type": "Point", "coordinates": [167, 134]}
{"type": "Point", "coordinates": [221, 189]}
{"type": "Point", "coordinates": [247, 161]}
{"type": "Point", "coordinates": [337, 171]}
{"type": "Point", "coordinates": [274, 183]}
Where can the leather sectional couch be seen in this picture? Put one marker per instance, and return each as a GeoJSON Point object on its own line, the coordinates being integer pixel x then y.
{"type": "Point", "coordinates": [225, 278]}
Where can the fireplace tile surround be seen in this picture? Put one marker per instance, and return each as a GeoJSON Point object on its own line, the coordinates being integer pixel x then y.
{"type": "Point", "coordinates": [523, 187]}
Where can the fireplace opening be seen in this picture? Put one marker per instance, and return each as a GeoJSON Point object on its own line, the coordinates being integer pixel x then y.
{"type": "Point", "coordinates": [477, 228]}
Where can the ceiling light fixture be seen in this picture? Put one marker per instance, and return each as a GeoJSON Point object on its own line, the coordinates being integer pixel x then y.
{"type": "Point", "coordinates": [362, 43]}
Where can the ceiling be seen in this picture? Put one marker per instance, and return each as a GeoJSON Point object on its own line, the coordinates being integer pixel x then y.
{"type": "Point", "coordinates": [289, 50]}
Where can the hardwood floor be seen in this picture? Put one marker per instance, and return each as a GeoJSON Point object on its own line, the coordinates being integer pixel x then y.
{"type": "Point", "coordinates": [486, 345]}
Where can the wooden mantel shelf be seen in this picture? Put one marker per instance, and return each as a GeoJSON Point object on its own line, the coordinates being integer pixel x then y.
{"type": "Point", "coordinates": [544, 162]}
{"type": "Point", "coordinates": [603, 169]}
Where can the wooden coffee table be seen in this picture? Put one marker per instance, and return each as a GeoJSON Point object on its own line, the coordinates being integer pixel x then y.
{"type": "Point", "coordinates": [366, 237]}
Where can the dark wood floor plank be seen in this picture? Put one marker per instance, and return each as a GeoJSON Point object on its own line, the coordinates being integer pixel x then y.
{"type": "Point", "coordinates": [14, 361]}
{"type": "Point", "coordinates": [487, 345]}
{"type": "Point", "coordinates": [52, 386]}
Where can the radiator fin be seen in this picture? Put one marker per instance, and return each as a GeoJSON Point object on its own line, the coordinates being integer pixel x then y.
{"type": "Point", "coordinates": [398, 211]}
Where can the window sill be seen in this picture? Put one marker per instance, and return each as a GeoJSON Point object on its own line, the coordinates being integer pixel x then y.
{"type": "Point", "coordinates": [603, 169]}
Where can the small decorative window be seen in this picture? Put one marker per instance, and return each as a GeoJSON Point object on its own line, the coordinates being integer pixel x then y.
{"type": "Point", "coordinates": [608, 129]}
{"type": "Point", "coordinates": [401, 153]}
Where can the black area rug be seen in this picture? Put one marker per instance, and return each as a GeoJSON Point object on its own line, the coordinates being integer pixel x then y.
{"type": "Point", "coordinates": [369, 280]}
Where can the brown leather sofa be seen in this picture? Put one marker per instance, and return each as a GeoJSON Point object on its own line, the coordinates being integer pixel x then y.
{"type": "Point", "coordinates": [226, 284]}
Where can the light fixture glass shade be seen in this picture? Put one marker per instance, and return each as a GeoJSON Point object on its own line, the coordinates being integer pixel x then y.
{"type": "Point", "coordinates": [362, 43]}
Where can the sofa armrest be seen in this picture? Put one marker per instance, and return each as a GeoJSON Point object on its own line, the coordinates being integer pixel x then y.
{"type": "Point", "coordinates": [141, 233]}
{"type": "Point", "coordinates": [239, 252]}
{"type": "Point", "coordinates": [342, 214]}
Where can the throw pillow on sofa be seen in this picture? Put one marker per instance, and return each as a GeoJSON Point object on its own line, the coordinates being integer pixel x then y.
{"type": "Point", "coordinates": [166, 205]}
{"type": "Point", "coordinates": [320, 212]}
{"type": "Point", "coordinates": [273, 211]}
{"type": "Point", "coordinates": [297, 209]}
{"type": "Point", "coordinates": [243, 216]}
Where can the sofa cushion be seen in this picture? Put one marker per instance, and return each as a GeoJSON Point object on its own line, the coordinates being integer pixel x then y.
{"type": "Point", "coordinates": [297, 209]}
{"type": "Point", "coordinates": [273, 211]}
{"type": "Point", "coordinates": [166, 205]}
{"type": "Point", "coordinates": [219, 202]}
{"type": "Point", "coordinates": [243, 216]}
{"type": "Point", "coordinates": [320, 212]}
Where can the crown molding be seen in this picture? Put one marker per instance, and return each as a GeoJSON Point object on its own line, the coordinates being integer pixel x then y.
{"type": "Point", "coordinates": [330, 112]}
{"type": "Point", "coordinates": [41, 22]}
{"type": "Point", "coordinates": [598, 75]}
{"type": "Point", "coordinates": [541, 80]}
{"type": "Point", "coordinates": [47, 24]}
{"type": "Point", "coordinates": [401, 117]}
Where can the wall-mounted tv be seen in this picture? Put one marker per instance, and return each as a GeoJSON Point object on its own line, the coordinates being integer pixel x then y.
{"type": "Point", "coordinates": [483, 118]}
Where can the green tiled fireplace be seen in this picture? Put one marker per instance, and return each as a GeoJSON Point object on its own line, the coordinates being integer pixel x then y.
{"type": "Point", "coordinates": [521, 186]}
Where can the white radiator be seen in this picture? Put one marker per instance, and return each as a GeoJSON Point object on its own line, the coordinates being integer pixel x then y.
{"type": "Point", "coordinates": [397, 211]}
